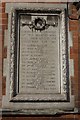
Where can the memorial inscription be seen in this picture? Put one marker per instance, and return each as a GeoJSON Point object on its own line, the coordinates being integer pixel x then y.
{"type": "Point", "coordinates": [39, 54]}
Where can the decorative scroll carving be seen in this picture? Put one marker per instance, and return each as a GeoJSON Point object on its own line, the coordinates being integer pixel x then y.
{"type": "Point", "coordinates": [12, 58]}
{"type": "Point", "coordinates": [64, 66]}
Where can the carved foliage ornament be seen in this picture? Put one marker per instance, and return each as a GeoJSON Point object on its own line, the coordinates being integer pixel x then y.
{"type": "Point", "coordinates": [40, 23]}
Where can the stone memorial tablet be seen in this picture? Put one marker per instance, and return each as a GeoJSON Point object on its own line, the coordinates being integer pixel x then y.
{"type": "Point", "coordinates": [39, 54]}
{"type": "Point", "coordinates": [39, 59]}
{"type": "Point", "coordinates": [38, 68]}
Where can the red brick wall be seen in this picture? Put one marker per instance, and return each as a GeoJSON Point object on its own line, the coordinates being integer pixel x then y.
{"type": "Point", "coordinates": [74, 27]}
{"type": "Point", "coordinates": [3, 50]}
{"type": "Point", "coordinates": [75, 51]}
{"type": "Point", "coordinates": [3, 25]}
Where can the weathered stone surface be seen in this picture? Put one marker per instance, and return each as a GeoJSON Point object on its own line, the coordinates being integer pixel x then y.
{"type": "Point", "coordinates": [39, 54]}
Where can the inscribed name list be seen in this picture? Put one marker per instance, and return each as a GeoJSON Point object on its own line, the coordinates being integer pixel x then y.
{"type": "Point", "coordinates": [39, 68]}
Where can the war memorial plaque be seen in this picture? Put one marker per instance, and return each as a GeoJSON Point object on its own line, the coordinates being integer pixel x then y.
{"type": "Point", "coordinates": [38, 68]}
{"type": "Point", "coordinates": [39, 54]}
{"type": "Point", "coordinates": [39, 58]}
